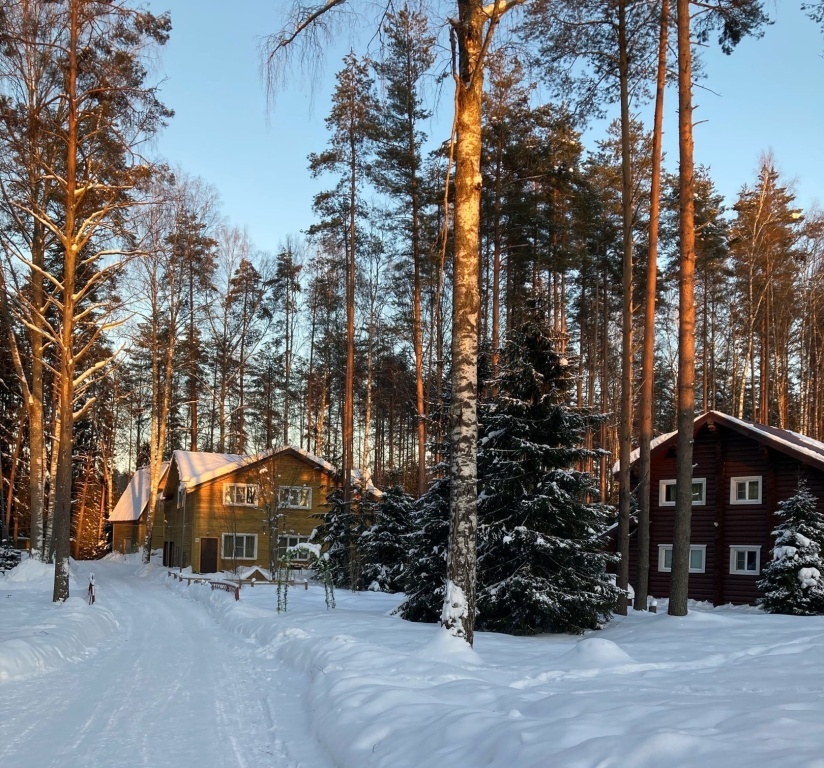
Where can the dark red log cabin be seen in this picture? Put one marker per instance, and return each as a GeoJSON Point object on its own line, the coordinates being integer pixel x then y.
{"type": "Point", "coordinates": [741, 471]}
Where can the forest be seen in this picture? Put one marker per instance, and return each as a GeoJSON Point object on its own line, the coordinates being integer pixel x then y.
{"type": "Point", "coordinates": [445, 279]}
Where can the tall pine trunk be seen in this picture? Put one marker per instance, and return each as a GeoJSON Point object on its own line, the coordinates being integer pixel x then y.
{"type": "Point", "coordinates": [679, 583]}
{"type": "Point", "coordinates": [625, 429]}
{"type": "Point", "coordinates": [648, 352]}
{"type": "Point", "coordinates": [63, 482]}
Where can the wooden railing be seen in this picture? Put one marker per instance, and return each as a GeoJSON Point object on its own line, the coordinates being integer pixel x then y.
{"type": "Point", "coordinates": [224, 586]}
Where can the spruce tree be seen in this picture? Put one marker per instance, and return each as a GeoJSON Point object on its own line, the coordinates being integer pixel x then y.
{"type": "Point", "coordinates": [335, 535]}
{"type": "Point", "coordinates": [383, 545]}
{"type": "Point", "coordinates": [427, 547]}
{"type": "Point", "coordinates": [340, 534]}
{"type": "Point", "coordinates": [793, 580]}
{"type": "Point", "coordinates": [541, 562]}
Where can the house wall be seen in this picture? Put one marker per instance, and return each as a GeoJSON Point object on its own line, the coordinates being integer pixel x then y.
{"type": "Point", "coordinates": [208, 516]}
{"type": "Point", "coordinates": [128, 536]}
{"type": "Point", "coordinates": [720, 454]}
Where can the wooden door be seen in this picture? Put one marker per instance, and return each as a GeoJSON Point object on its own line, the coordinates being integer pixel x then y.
{"type": "Point", "coordinates": [208, 555]}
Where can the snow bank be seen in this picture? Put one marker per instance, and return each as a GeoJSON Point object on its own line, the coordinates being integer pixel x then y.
{"type": "Point", "coordinates": [38, 636]}
{"type": "Point", "coordinates": [721, 686]}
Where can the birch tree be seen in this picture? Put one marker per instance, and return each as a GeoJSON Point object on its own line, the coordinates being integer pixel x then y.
{"type": "Point", "coordinates": [472, 30]}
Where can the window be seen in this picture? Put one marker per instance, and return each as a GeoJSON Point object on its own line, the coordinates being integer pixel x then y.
{"type": "Point", "coordinates": [745, 490]}
{"type": "Point", "coordinates": [745, 560]}
{"type": "Point", "coordinates": [239, 546]}
{"type": "Point", "coordinates": [292, 540]}
{"type": "Point", "coordinates": [240, 494]}
{"type": "Point", "coordinates": [180, 496]}
{"type": "Point", "coordinates": [294, 497]}
{"type": "Point", "coordinates": [666, 492]}
{"type": "Point", "coordinates": [698, 557]}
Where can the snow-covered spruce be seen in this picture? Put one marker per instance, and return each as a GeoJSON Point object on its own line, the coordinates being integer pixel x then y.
{"type": "Point", "coordinates": [340, 534]}
{"type": "Point", "coordinates": [793, 580]}
{"type": "Point", "coordinates": [384, 544]}
{"type": "Point", "coordinates": [541, 561]}
{"type": "Point", "coordinates": [427, 546]}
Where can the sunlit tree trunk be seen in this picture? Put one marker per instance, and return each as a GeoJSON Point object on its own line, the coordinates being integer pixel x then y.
{"type": "Point", "coordinates": [679, 582]}
{"type": "Point", "coordinates": [648, 352]}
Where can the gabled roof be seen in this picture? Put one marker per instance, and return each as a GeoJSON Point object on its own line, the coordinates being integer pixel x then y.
{"type": "Point", "coordinates": [196, 468]}
{"type": "Point", "coordinates": [134, 499]}
{"type": "Point", "coordinates": [800, 447]}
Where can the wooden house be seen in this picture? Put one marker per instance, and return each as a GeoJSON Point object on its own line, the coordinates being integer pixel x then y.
{"type": "Point", "coordinates": [225, 512]}
{"type": "Point", "coordinates": [128, 518]}
{"type": "Point", "coordinates": [741, 471]}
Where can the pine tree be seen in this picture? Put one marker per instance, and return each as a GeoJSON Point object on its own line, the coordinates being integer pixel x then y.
{"type": "Point", "coordinates": [397, 171]}
{"type": "Point", "coordinates": [541, 562]}
{"type": "Point", "coordinates": [384, 544]}
{"type": "Point", "coordinates": [793, 581]}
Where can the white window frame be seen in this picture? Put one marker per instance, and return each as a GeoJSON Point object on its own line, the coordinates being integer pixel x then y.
{"type": "Point", "coordinates": [296, 540]}
{"type": "Point", "coordinates": [288, 490]}
{"type": "Point", "coordinates": [746, 479]}
{"type": "Point", "coordinates": [664, 548]}
{"type": "Point", "coordinates": [233, 503]}
{"type": "Point", "coordinates": [735, 549]}
{"type": "Point", "coordinates": [662, 492]}
{"type": "Point", "coordinates": [234, 537]}
{"type": "Point", "coordinates": [181, 496]}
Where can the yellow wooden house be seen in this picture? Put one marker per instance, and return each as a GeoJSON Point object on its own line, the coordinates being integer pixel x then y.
{"type": "Point", "coordinates": [128, 518]}
{"type": "Point", "coordinates": [225, 512]}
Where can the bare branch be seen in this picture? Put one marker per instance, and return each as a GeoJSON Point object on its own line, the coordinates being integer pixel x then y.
{"type": "Point", "coordinates": [306, 21]}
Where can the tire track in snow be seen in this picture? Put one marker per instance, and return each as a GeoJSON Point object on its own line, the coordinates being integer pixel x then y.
{"type": "Point", "coordinates": [170, 688]}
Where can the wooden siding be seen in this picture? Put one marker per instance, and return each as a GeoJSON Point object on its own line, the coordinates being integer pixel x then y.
{"type": "Point", "coordinates": [205, 515]}
{"type": "Point", "coordinates": [720, 454]}
{"type": "Point", "coordinates": [128, 536]}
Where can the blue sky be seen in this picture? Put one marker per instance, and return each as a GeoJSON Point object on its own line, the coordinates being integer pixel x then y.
{"type": "Point", "coordinates": [765, 96]}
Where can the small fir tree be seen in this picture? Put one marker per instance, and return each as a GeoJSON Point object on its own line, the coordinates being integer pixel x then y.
{"type": "Point", "coordinates": [541, 560]}
{"type": "Point", "coordinates": [428, 540]}
{"type": "Point", "coordinates": [340, 535]}
{"type": "Point", "coordinates": [427, 547]}
{"type": "Point", "coordinates": [384, 545]}
{"type": "Point", "coordinates": [793, 580]}
{"type": "Point", "coordinates": [335, 535]}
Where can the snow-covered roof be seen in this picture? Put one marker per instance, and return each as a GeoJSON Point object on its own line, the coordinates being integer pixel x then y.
{"type": "Point", "coordinates": [804, 448]}
{"type": "Point", "coordinates": [636, 454]}
{"type": "Point", "coordinates": [196, 468]}
{"type": "Point", "coordinates": [134, 499]}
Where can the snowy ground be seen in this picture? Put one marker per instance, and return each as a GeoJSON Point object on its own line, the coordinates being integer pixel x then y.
{"type": "Point", "coordinates": [157, 673]}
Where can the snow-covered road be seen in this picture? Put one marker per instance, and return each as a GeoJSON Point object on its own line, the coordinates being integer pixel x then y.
{"type": "Point", "coordinates": [163, 674]}
{"type": "Point", "coordinates": [170, 687]}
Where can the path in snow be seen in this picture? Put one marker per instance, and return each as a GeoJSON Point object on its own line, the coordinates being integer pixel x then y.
{"type": "Point", "coordinates": [171, 688]}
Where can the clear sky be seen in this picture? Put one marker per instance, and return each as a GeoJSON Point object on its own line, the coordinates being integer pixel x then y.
{"type": "Point", "coordinates": [765, 96]}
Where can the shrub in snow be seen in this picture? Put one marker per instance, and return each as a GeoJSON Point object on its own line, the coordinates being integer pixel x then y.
{"type": "Point", "coordinates": [541, 561]}
{"type": "Point", "coordinates": [9, 557]}
{"type": "Point", "coordinates": [384, 545]}
{"type": "Point", "coordinates": [317, 560]}
{"type": "Point", "coordinates": [793, 580]}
